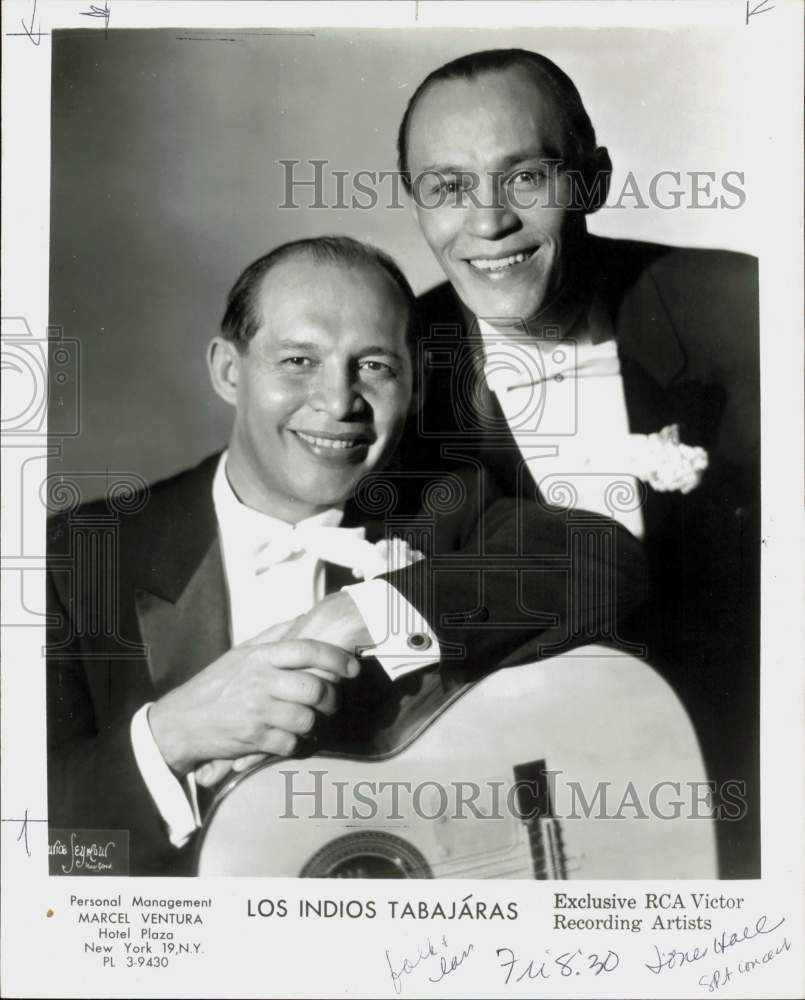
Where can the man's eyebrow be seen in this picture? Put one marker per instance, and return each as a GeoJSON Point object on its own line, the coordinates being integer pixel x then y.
{"type": "Point", "coordinates": [297, 345]}
{"type": "Point", "coordinates": [543, 153]}
{"type": "Point", "coordinates": [380, 350]}
{"type": "Point", "coordinates": [306, 345]}
{"type": "Point", "coordinates": [508, 161]}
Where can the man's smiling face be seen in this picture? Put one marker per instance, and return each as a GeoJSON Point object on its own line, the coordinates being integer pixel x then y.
{"type": "Point", "coordinates": [323, 388]}
{"type": "Point", "coordinates": [502, 245]}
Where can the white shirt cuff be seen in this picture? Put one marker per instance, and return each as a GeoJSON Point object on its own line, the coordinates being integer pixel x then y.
{"type": "Point", "coordinates": [403, 640]}
{"type": "Point", "coordinates": [177, 806]}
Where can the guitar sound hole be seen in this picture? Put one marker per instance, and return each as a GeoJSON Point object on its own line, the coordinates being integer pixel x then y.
{"type": "Point", "coordinates": [370, 854]}
{"type": "Point", "coordinates": [368, 866]}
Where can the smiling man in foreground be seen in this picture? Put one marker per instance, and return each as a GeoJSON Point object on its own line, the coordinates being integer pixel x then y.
{"type": "Point", "coordinates": [166, 660]}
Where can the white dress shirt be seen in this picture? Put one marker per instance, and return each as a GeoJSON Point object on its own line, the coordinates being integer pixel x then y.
{"type": "Point", "coordinates": [272, 577]}
{"type": "Point", "coordinates": [565, 406]}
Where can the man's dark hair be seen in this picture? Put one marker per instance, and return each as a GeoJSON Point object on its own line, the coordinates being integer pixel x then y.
{"type": "Point", "coordinates": [242, 318]}
{"type": "Point", "coordinates": [579, 134]}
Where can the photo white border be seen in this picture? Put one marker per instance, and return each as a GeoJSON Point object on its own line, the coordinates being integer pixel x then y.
{"type": "Point", "coordinates": [40, 953]}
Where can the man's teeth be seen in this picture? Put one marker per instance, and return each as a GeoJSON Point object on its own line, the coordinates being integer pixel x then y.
{"type": "Point", "coordinates": [499, 264]}
{"type": "Point", "coordinates": [327, 442]}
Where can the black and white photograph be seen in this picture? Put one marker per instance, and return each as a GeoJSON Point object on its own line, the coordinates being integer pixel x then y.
{"type": "Point", "coordinates": [404, 467]}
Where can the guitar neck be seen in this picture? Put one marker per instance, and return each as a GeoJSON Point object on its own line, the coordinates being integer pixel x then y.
{"type": "Point", "coordinates": [547, 849]}
{"type": "Point", "coordinates": [536, 807]}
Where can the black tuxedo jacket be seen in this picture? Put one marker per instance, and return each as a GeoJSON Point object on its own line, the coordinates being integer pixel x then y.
{"type": "Point", "coordinates": [137, 604]}
{"type": "Point", "coordinates": [686, 325]}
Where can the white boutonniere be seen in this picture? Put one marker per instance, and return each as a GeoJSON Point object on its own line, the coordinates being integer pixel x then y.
{"type": "Point", "coordinates": [385, 556]}
{"type": "Point", "coordinates": [670, 466]}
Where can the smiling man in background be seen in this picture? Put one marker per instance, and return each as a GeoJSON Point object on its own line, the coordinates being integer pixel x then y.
{"type": "Point", "coordinates": [617, 376]}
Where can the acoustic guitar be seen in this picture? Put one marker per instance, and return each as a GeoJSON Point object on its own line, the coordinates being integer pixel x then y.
{"type": "Point", "coordinates": [581, 766]}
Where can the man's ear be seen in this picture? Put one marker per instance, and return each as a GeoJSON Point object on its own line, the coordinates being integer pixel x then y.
{"type": "Point", "coordinates": [224, 363]}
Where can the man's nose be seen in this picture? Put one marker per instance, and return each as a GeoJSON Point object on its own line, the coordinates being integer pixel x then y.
{"type": "Point", "coordinates": [489, 215]}
{"type": "Point", "coordinates": [337, 394]}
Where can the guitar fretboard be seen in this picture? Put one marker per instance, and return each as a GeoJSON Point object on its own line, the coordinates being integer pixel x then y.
{"type": "Point", "coordinates": [544, 831]}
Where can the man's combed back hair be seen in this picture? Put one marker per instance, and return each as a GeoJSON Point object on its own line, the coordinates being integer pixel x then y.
{"type": "Point", "coordinates": [243, 319]}
{"type": "Point", "coordinates": [576, 125]}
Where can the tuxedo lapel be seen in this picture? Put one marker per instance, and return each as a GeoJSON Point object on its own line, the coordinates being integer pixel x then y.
{"type": "Point", "coordinates": [656, 393]}
{"type": "Point", "coordinates": [185, 635]}
{"type": "Point", "coordinates": [653, 358]}
{"type": "Point", "coordinates": [648, 406]}
{"type": "Point", "coordinates": [476, 414]}
{"type": "Point", "coordinates": [178, 580]}
{"type": "Point", "coordinates": [621, 277]}
{"type": "Point", "coordinates": [645, 333]}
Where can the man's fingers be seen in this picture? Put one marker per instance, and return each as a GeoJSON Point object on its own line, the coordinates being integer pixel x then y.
{"type": "Point", "coordinates": [302, 688]}
{"type": "Point", "coordinates": [212, 772]}
{"type": "Point", "coordinates": [297, 654]}
{"type": "Point", "coordinates": [267, 699]}
{"type": "Point", "coordinates": [290, 717]}
{"type": "Point", "coordinates": [324, 674]}
{"type": "Point", "coordinates": [329, 701]}
{"type": "Point", "coordinates": [244, 763]}
{"type": "Point", "coordinates": [278, 742]}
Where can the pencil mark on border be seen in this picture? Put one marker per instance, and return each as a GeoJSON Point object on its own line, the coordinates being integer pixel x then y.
{"type": "Point", "coordinates": [96, 10]}
{"type": "Point", "coordinates": [23, 834]}
{"type": "Point", "coordinates": [35, 36]}
{"type": "Point", "coordinates": [759, 8]}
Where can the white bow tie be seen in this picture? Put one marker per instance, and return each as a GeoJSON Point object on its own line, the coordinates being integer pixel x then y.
{"type": "Point", "coordinates": [341, 546]}
{"type": "Point", "coordinates": [518, 365]}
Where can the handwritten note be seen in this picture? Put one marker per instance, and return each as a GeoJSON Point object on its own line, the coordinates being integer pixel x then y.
{"type": "Point", "coordinates": [433, 961]}
{"type": "Point", "coordinates": [702, 966]}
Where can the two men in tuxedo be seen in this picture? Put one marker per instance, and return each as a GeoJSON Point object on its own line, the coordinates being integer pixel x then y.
{"type": "Point", "coordinates": [167, 651]}
{"type": "Point", "coordinates": [658, 347]}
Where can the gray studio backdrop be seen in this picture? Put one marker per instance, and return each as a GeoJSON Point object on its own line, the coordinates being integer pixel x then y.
{"type": "Point", "coordinates": [166, 182]}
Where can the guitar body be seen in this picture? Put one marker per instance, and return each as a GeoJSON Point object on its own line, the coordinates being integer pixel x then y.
{"type": "Point", "coordinates": [610, 786]}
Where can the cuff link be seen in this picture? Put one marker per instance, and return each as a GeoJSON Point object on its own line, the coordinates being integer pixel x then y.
{"type": "Point", "coordinates": [419, 641]}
